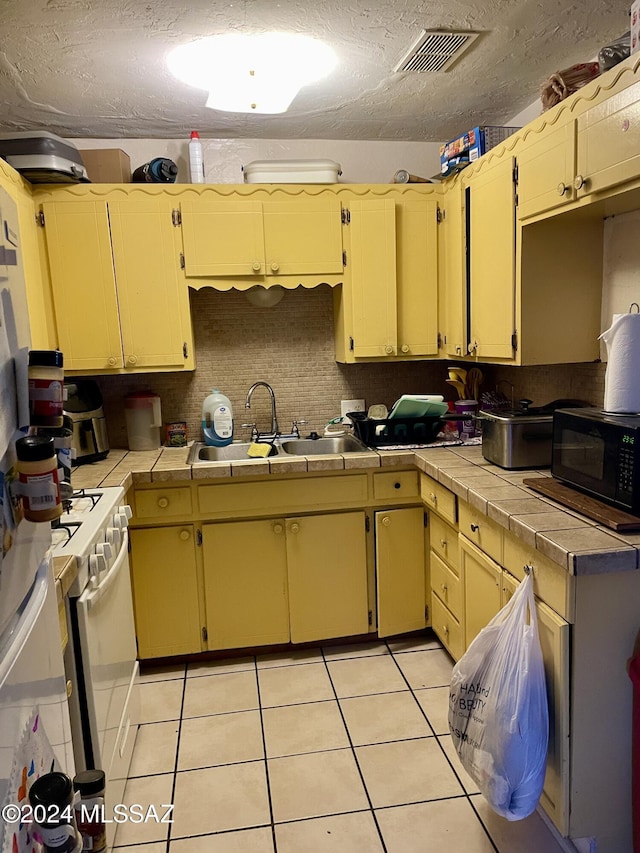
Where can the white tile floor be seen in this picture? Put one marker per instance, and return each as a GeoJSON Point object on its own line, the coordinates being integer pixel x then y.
{"type": "Point", "coordinates": [340, 749]}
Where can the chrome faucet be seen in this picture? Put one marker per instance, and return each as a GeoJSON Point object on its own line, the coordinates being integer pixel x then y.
{"type": "Point", "coordinates": [275, 430]}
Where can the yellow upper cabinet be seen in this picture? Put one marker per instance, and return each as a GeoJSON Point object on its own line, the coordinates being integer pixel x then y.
{"type": "Point", "coordinates": [118, 298]}
{"type": "Point", "coordinates": [249, 241]}
{"type": "Point", "coordinates": [452, 297]}
{"type": "Point", "coordinates": [546, 170]}
{"type": "Point", "coordinates": [389, 307]}
{"type": "Point", "coordinates": [491, 243]}
{"type": "Point", "coordinates": [609, 143]}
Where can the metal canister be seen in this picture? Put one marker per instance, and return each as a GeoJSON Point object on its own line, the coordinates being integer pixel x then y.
{"type": "Point", "coordinates": [175, 434]}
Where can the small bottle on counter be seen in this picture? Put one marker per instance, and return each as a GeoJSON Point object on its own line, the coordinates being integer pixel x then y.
{"type": "Point", "coordinates": [38, 476]}
{"type": "Point", "coordinates": [46, 383]}
{"type": "Point", "coordinates": [51, 798]}
{"type": "Point", "coordinates": [90, 816]}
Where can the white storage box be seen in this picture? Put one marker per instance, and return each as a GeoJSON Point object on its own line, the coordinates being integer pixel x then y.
{"type": "Point", "coordinates": [291, 172]}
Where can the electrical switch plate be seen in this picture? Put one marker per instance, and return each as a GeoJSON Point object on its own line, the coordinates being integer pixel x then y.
{"type": "Point", "coordinates": [347, 406]}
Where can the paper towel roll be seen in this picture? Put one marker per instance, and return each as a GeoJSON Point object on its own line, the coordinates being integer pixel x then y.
{"type": "Point", "coordinates": [622, 377]}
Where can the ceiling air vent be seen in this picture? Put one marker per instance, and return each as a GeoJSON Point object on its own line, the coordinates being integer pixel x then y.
{"type": "Point", "coordinates": [435, 51]}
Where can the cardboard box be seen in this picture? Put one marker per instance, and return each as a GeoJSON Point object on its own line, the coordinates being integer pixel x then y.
{"type": "Point", "coordinates": [107, 165]}
{"type": "Point", "coordinates": [473, 144]}
{"type": "Point", "coordinates": [635, 27]}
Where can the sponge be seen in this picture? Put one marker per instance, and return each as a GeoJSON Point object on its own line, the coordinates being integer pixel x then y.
{"type": "Point", "coordinates": [260, 450]}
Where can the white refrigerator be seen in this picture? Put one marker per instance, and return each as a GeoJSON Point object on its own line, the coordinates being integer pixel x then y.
{"type": "Point", "coordinates": [35, 733]}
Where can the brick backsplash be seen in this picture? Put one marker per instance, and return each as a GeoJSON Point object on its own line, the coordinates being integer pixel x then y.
{"type": "Point", "coordinates": [290, 346]}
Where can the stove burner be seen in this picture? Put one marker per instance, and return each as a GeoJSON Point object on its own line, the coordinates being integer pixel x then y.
{"type": "Point", "coordinates": [67, 528]}
{"type": "Point", "coordinates": [94, 497]}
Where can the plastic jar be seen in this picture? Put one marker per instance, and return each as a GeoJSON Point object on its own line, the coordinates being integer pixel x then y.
{"type": "Point", "coordinates": [46, 382]}
{"type": "Point", "coordinates": [38, 476]}
{"type": "Point", "coordinates": [90, 817]}
{"type": "Point", "coordinates": [51, 798]}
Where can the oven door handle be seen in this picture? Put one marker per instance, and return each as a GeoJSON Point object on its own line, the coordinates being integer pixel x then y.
{"type": "Point", "coordinates": [92, 596]}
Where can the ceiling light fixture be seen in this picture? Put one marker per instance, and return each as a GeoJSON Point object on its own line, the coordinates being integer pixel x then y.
{"type": "Point", "coordinates": [252, 74]}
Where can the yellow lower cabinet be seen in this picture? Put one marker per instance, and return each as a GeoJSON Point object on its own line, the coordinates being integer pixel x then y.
{"type": "Point", "coordinates": [245, 581]}
{"type": "Point", "coordinates": [327, 571]}
{"type": "Point", "coordinates": [165, 591]}
{"type": "Point", "coordinates": [482, 588]}
{"type": "Point", "coordinates": [400, 570]}
{"type": "Point", "coordinates": [554, 641]}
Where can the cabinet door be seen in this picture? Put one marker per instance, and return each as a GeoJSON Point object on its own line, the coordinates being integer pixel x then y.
{"type": "Point", "coordinates": [452, 296]}
{"type": "Point", "coordinates": [546, 169]}
{"type": "Point", "coordinates": [327, 570]}
{"type": "Point", "coordinates": [165, 591]}
{"type": "Point", "coordinates": [152, 299]}
{"type": "Point", "coordinates": [491, 246]}
{"type": "Point", "coordinates": [554, 642]}
{"type": "Point", "coordinates": [222, 238]}
{"type": "Point", "coordinates": [245, 583]}
{"type": "Point", "coordinates": [303, 237]}
{"type": "Point", "coordinates": [83, 284]}
{"type": "Point", "coordinates": [609, 143]}
{"type": "Point", "coordinates": [417, 283]}
{"type": "Point", "coordinates": [400, 570]}
{"type": "Point", "coordinates": [482, 588]}
{"type": "Point", "coordinates": [372, 263]}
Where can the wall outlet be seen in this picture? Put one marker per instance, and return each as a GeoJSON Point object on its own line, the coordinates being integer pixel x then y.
{"type": "Point", "coordinates": [347, 406]}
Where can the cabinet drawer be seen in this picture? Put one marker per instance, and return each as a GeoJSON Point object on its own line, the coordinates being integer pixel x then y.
{"type": "Point", "coordinates": [447, 586]}
{"type": "Point", "coordinates": [480, 530]}
{"type": "Point", "coordinates": [551, 583]}
{"type": "Point", "coordinates": [388, 486]}
{"type": "Point", "coordinates": [437, 498]}
{"type": "Point", "coordinates": [284, 496]}
{"type": "Point", "coordinates": [161, 503]}
{"type": "Point", "coordinates": [444, 541]}
{"type": "Point", "coordinates": [447, 628]}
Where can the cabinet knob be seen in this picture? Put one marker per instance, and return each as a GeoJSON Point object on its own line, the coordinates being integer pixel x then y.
{"type": "Point", "coordinates": [185, 535]}
{"type": "Point", "coordinates": [579, 182]}
{"type": "Point", "coordinates": [443, 543]}
{"type": "Point", "coordinates": [405, 348]}
{"type": "Point", "coordinates": [473, 346]}
{"type": "Point", "coordinates": [69, 688]}
{"type": "Point", "coordinates": [563, 188]}
{"type": "Point", "coordinates": [386, 521]}
{"type": "Point", "coordinates": [163, 503]}
{"type": "Point", "coordinates": [132, 359]}
{"type": "Point", "coordinates": [275, 267]}
{"type": "Point", "coordinates": [295, 528]}
{"type": "Point", "coordinates": [458, 350]}
{"type": "Point", "coordinates": [445, 630]}
{"type": "Point", "coordinates": [433, 498]}
{"type": "Point", "coordinates": [256, 266]}
{"type": "Point", "coordinates": [112, 362]}
{"type": "Point", "coordinates": [278, 528]}
{"type": "Point", "coordinates": [388, 349]}
{"type": "Point", "coordinates": [444, 587]}
{"type": "Point", "coordinates": [397, 485]}
{"type": "Point", "coordinates": [475, 528]}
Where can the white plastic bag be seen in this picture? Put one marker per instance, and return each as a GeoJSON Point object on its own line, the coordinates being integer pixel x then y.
{"type": "Point", "coordinates": [498, 712]}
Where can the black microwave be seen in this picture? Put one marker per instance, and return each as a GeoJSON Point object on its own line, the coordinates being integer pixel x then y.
{"type": "Point", "coordinates": [599, 454]}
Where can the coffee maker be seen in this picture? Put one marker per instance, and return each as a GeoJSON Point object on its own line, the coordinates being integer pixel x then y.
{"type": "Point", "coordinates": [83, 405]}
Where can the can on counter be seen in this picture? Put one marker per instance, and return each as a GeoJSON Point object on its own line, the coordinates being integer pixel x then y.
{"type": "Point", "coordinates": [175, 434]}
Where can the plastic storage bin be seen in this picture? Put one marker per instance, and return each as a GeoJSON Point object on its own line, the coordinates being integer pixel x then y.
{"type": "Point", "coordinates": [292, 172]}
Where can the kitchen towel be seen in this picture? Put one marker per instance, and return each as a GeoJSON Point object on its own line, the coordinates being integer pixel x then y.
{"type": "Point", "coordinates": [622, 377]}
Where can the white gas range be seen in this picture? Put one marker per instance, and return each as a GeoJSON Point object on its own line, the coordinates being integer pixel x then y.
{"type": "Point", "coordinates": [101, 659]}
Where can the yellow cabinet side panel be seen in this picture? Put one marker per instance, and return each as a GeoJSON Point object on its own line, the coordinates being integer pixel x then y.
{"type": "Point", "coordinates": [372, 269]}
{"type": "Point", "coordinates": [417, 285]}
{"type": "Point", "coordinates": [303, 237]}
{"type": "Point", "coordinates": [149, 291]}
{"type": "Point", "coordinates": [327, 567]}
{"type": "Point", "coordinates": [492, 260]}
{"type": "Point", "coordinates": [482, 588]}
{"type": "Point", "coordinates": [165, 591]}
{"type": "Point", "coordinates": [245, 580]}
{"type": "Point", "coordinates": [400, 567]}
{"type": "Point", "coordinates": [83, 284]}
{"type": "Point", "coordinates": [223, 238]}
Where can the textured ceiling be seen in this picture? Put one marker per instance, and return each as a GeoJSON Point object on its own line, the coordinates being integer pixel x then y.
{"type": "Point", "coordinates": [96, 68]}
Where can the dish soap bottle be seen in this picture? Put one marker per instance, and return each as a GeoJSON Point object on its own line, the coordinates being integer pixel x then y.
{"type": "Point", "coordinates": [217, 419]}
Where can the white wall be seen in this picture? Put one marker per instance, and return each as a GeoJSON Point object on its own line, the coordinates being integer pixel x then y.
{"type": "Point", "coordinates": [361, 162]}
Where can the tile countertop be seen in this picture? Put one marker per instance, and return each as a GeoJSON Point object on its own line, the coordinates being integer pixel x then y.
{"type": "Point", "coordinates": [571, 540]}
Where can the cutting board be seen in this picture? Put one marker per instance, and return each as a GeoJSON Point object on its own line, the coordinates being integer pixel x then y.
{"type": "Point", "coordinates": [609, 516]}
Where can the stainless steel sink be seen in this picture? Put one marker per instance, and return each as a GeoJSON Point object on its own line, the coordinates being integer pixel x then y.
{"type": "Point", "coordinates": [202, 453]}
{"type": "Point", "coordinates": [323, 446]}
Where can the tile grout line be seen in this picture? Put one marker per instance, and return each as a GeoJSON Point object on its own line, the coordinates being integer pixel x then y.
{"type": "Point", "coordinates": [175, 766]}
{"type": "Point", "coordinates": [353, 752]}
{"type": "Point", "coordinates": [266, 760]}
